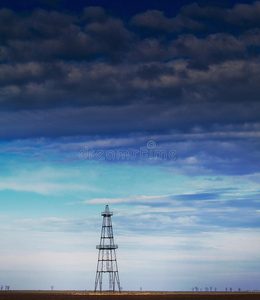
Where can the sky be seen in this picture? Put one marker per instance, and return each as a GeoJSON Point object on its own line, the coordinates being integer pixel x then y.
{"type": "Point", "coordinates": [151, 107]}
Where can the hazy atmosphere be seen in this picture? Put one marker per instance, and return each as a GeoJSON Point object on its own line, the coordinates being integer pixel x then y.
{"type": "Point", "coordinates": [151, 107]}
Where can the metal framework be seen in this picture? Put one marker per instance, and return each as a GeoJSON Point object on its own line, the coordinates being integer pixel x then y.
{"type": "Point", "coordinates": [107, 263]}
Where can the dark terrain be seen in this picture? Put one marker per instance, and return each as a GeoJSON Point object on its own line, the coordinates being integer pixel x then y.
{"type": "Point", "coordinates": [73, 295]}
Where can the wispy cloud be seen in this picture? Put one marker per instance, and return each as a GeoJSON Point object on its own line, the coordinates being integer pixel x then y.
{"type": "Point", "coordinates": [44, 188]}
{"type": "Point", "coordinates": [134, 200]}
{"type": "Point", "coordinates": [41, 180]}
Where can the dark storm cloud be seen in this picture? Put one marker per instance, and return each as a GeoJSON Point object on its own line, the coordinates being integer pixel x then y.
{"type": "Point", "coordinates": [243, 15]}
{"type": "Point", "coordinates": [123, 119]}
{"type": "Point", "coordinates": [214, 49]}
{"type": "Point", "coordinates": [194, 17]}
{"type": "Point", "coordinates": [77, 45]}
{"type": "Point", "coordinates": [156, 20]}
{"type": "Point", "coordinates": [92, 73]}
{"type": "Point", "coordinates": [44, 35]}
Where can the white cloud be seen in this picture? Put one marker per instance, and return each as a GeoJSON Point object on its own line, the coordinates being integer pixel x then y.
{"type": "Point", "coordinates": [43, 181]}
{"type": "Point", "coordinates": [44, 188]}
{"type": "Point", "coordinates": [133, 199]}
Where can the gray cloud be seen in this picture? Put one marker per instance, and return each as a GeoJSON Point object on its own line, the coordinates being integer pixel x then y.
{"type": "Point", "coordinates": [156, 20]}
{"type": "Point", "coordinates": [119, 119]}
{"type": "Point", "coordinates": [243, 15]}
{"type": "Point", "coordinates": [214, 49]}
{"type": "Point", "coordinates": [53, 35]}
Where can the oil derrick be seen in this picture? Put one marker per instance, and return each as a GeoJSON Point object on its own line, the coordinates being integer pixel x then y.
{"type": "Point", "coordinates": [107, 263]}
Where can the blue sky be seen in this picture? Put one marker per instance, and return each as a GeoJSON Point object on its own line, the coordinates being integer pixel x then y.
{"type": "Point", "coordinates": [152, 108]}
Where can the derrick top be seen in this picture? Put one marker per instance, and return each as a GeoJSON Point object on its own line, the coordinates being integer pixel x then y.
{"type": "Point", "coordinates": [107, 212]}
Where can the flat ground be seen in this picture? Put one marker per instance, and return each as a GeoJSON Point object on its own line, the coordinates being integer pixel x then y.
{"type": "Point", "coordinates": [77, 295]}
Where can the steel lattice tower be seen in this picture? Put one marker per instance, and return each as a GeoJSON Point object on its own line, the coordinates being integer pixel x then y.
{"type": "Point", "coordinates": [107, 263]}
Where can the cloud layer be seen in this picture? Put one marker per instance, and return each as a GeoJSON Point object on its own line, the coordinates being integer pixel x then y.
{"type": "Point", "coordinates": [193, 77]}
{"type": "Point", "coordinates": [53, 60]}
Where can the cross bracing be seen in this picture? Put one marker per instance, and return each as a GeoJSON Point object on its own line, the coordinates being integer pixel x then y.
{"type": "Point", "coordinates": [107, 262]}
